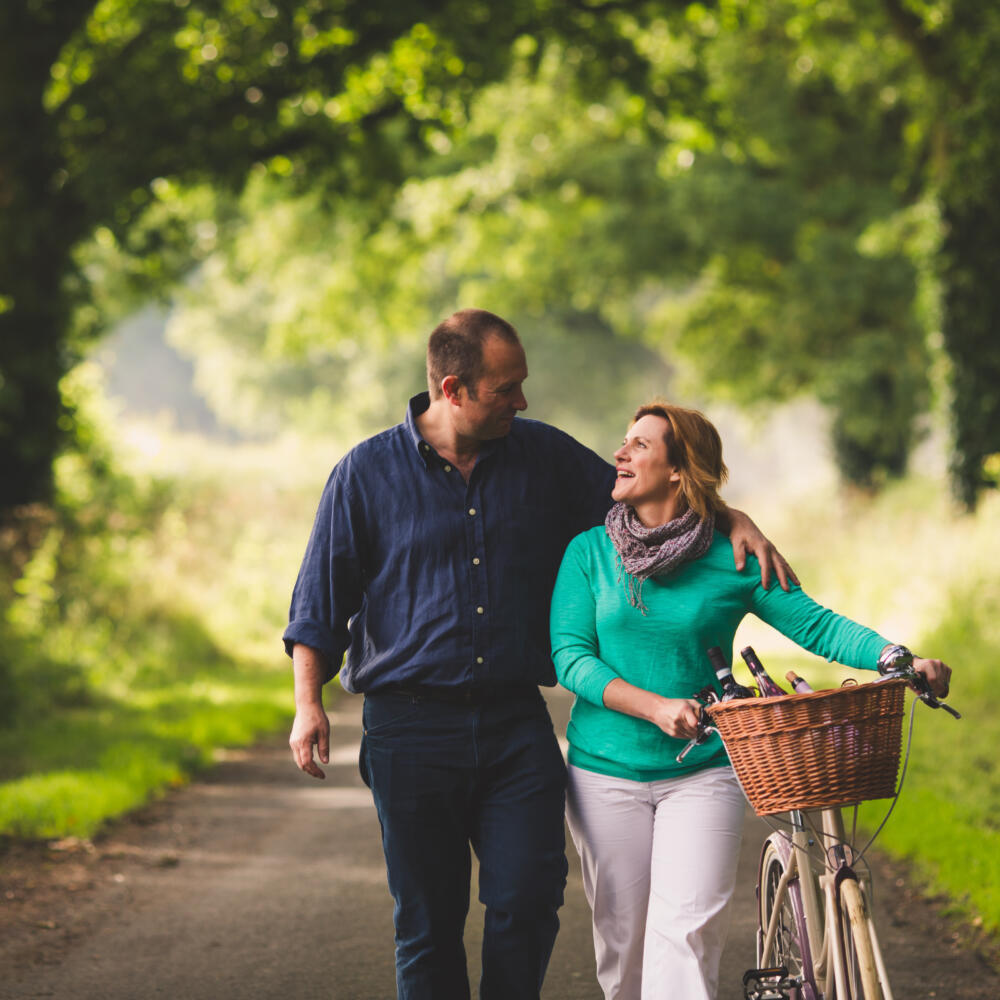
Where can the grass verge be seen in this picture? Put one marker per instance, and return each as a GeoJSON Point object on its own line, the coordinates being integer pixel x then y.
{"type": "Point", "coordinates": [69, 771]}
{"type": "Point", "coordinates": [140, 619]}
{"type": "Point", "coordinates": [947, 820]}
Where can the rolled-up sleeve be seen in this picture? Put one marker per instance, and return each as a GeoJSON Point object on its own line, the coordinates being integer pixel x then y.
{"type": "Point", "coordinates": [574, 629]}
{"type": "Point", "coordinates": [329, 590]}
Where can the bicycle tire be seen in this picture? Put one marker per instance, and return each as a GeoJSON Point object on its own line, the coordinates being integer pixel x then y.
{"type": "Point", "coordinates": [791, 942]}
{"type": "Point", "coordinates": [857, 942]}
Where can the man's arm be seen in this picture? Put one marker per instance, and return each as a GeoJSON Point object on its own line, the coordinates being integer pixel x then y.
{"type": "Point", "coordinates": [747, 538]}
{"type": "Point", "coordinates": [327, 593]}
{"type": "Point", "coordinates": [311, 727]}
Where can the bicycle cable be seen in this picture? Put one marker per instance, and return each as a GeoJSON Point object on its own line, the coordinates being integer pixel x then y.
{"type": "Point", "coordinates": [902, 778]}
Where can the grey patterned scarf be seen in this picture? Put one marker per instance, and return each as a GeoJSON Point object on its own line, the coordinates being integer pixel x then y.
{"type": "Point", "coordinates": [644, 552]}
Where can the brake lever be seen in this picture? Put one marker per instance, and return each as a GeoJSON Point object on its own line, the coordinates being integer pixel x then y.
{"type": "Point", "coordinates": [921, 687]}
{"type": "Point", "coordinates": [935, 703]}
{"type": "Point", "coordinates": [705, 727]}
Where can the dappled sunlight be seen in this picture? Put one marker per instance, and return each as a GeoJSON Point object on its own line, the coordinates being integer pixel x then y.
{"type": "Point", "coordinates": [265, 799]}
{"type": "Point", "coordinates": [335, 798]}
{"type": "Point", "coordinates": [144, 439]}
{"type": "Point", "coordinates": [344, 755]}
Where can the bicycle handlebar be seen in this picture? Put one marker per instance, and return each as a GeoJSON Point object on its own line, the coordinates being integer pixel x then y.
{"type": "Point", "coordinates": [705, 728]}
{"type": "Point", "coordinates": [919, 683]}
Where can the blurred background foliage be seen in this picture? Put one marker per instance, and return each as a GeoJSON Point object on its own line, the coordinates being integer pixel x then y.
{"type": "Point", "coordinates": [760, 206]}
{"type": "Point", "coordinates": [783, 196]}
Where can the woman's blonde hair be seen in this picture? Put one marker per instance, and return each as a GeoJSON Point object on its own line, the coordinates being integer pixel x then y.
{"type": "Point", "coordinates": [695, 448]}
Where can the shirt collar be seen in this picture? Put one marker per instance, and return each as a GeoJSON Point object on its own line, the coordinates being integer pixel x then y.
{"type": "Point", "coordinates": [418, 404]}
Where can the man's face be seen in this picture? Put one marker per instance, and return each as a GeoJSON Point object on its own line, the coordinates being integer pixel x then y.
{"type": "Point", "coordinates": [498, 396]}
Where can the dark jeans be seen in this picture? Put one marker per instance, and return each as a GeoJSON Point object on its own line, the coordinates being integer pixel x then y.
{"type": "Point", "coordinates": [443, 777]}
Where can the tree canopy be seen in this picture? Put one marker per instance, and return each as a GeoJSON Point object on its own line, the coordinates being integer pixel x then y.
{"type": "Point", "coordinates": [777, 196]}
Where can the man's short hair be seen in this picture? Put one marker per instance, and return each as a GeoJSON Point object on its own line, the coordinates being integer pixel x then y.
{"type": "Point", "coordinates": [456, 348]}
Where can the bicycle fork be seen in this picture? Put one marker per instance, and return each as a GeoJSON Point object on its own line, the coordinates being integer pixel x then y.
{"type": "Point", "coordinates": [849, 925]}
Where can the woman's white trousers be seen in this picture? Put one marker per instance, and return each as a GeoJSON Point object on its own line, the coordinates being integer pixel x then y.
{"type": "Point", "coordinates": [659, 868]}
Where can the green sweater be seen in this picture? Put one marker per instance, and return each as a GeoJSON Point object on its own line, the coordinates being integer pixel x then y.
{"type": "Point", "coordinates": [598, 636]}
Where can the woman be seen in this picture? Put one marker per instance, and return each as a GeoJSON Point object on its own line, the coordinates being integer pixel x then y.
{"type": "Point", "coordinates": [637, 604]}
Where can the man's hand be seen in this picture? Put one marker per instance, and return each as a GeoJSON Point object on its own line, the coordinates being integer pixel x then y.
{"type": "Point", "coordinates": [747, 538]}
{"type": "Point", "coordinates": [311, 728]}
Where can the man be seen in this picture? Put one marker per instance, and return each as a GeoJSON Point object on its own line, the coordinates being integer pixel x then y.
{"type": "Point", "coordinates": [431, 563]}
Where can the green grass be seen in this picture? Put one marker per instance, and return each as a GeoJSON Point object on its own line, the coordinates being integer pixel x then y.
{"type": "Point", "coordinates": [71, 770]}
{"type": "Point", "coordinates": [142, 634]}
{"type": "Point", "coordinates": [947, 821]}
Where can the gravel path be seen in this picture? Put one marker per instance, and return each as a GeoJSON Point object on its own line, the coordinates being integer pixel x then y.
{"type": "Point", "coordinates": [258, 882]}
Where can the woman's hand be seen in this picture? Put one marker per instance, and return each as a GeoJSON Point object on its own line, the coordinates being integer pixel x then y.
{"type": "Point", "coordinates": [677, 717]}
{"type": "Point", "coordinates": [938, 674]}
{"type": "Point", "coordinates": [747, 538]}
{"type": "Point", "coordinates": [674, 716]}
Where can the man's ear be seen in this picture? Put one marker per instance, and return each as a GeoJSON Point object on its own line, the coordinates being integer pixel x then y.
{"type": "Point", "coordinates": [451, 388]}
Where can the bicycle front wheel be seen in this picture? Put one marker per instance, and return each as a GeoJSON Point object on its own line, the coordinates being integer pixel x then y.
{"type": "Point", "coordinates": [781, 899]}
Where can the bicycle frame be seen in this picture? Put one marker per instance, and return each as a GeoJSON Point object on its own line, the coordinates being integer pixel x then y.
{"type": "Point", "coordinates": [836, 934]}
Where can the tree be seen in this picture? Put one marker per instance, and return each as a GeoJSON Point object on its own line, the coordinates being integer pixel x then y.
{"type": "Point", "coordinates": [765, 172]}
{"type": "Point", "coordinates": [746, 216]}
{"type": "Point", "coordinates": [101, 101]}
{"type": "Point", "coordinates": [956, 44]}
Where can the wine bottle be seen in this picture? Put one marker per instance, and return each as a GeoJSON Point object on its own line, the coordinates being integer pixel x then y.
{"type": "Point", "coordinates": [769, 688]}
{"type": "Point", "coordinates": [731, 688]}
{"type": "Point", "coordinates": [799, 685]}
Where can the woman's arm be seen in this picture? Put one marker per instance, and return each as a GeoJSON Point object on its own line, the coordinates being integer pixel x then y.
{"type": "Point", "coordinates": [573, 628]}
{"type": "Point", "coordinates": [815, 628]}
{"type": "Point", "coordinates": [675, 716]}
{"type": "Point", "coordinates": [579, 667]}
{"type": "Point", "coordinates": [822, 631]}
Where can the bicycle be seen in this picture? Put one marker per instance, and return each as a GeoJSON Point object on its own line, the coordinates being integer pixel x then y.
{"type": "Point", "coordinates": [809, 755]}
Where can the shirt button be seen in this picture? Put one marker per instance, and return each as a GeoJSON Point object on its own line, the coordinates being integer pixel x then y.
{"type": "Point", "coordinates": [480, 610]}
{"type": "Point", "coordinates": [479, 659]}
{"type": "Point", "coordinates": [447, 468]}
{"type": "Point", "coordinates": [472, 511]}
{"type": "Point", "coordinates": [475, 562]}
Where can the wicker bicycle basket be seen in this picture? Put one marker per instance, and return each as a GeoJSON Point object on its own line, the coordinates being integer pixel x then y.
{"type": "Point", "coordinates": [816, 750]}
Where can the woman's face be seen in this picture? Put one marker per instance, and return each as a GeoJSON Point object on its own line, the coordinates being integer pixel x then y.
{"type": "Point", "coordinates": [645, 474]}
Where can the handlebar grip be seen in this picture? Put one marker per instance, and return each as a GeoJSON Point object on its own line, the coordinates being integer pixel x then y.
{"type": "Point", "coordinates": [688, 747]}
{"type": "Point", "coordinates": [922, 687]}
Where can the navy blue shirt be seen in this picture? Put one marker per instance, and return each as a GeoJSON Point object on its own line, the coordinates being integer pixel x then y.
{"type": "Point", "coordinates": [422, 578]}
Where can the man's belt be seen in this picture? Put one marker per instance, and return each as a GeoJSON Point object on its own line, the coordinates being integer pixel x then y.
{"type": "Point", "coordinates": [470, 695]}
